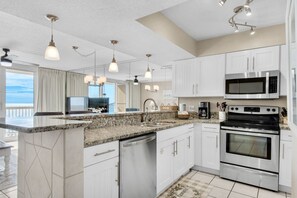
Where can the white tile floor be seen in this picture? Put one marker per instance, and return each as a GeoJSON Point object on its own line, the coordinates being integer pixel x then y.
{"type": "Point", "coordinates": [223, 188]}
{"type": "Point", "coordinates": [9, 193]}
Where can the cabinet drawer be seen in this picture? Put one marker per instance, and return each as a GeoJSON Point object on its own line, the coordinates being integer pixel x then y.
{"type": "Point", "coordinates": [100, 152]}
{"type": "Point", "coordinates": [286, 135]}
{"type": "Point", "coordinates": [211, 128]}
{"type": "Point", "coordinates": [173, 132]}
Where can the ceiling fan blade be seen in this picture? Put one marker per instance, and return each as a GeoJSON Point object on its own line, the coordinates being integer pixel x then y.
{"type": "Point", "coordinates": [25, 63]}
{"type": "Point", "coordinates": [11, 56]}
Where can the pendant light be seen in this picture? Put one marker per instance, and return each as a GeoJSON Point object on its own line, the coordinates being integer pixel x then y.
{"type": "Point", "coordinates": [102, 79]}
{"type": "Point", "coordinates": [155, 87]}
{"type": "Point", "coordinates": [51, 52]}
{"type": "Point", "coordinates": [113, 67]}
{"type": "Point", "coordinates": [148, 73]}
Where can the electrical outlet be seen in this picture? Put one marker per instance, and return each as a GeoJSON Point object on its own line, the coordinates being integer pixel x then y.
{"type": "Point", "coordinates": [191, 108]}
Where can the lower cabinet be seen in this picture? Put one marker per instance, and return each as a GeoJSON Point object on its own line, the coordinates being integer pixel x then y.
{"type": "Point", "coordinates": [207, 147]}
{"type": "Point", "coordinates": [175, 155]}
{"type": "Point", "coordinates": [101, 171]}
{"type": "Point", "coordinates": [285, 170]}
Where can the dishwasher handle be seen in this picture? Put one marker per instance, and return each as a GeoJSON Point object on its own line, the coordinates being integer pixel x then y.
{"type": "Point", "coordinates": [141, 141]}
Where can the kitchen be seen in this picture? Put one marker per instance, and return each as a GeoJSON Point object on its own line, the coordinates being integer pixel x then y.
{"type": "Point", "coordinates": [141, 82]}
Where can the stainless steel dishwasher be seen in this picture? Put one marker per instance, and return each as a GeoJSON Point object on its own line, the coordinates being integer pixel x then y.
{"type": "Point", "coordinates": [138, 167]}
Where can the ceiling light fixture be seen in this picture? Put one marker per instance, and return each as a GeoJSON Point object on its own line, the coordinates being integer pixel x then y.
{"type": "Point", "coordinates": [155, 87]}
{"type": "Point", "coordinates": [51, 52]}
{"type": "Point", "coordinates": [5, 61]}
{"type": "Point", "coordinates": [246, 8]}
{"type": "Point", "coordinates": [135, 82]}
{"type": "Point", "coordinates": [222, 2]}
{"type": "Point", "coordinates": [148, 73]}
{"type": "Point", "coordinates": [113, 67]}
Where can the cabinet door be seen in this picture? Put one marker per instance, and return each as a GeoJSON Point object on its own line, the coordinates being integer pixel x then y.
{"type": "Point", "coordinates": [284, 70]}
{"type": "Point", "coordinates": [285, 171]}
{"type": "Point", "coordinates": [212, 78]}
{"type": "Point", "coordinates": [184, 78]}
{"type": "Point", "coordinates": [101, 179]}
{"type": "Point", "coordinates": [189, 150]}
{"type": "Point", "coordinates": [238, 62]}
{"type": "Point", "coordinates": [198, 144]}
{"type": "Point", "coordinates": [265, 59]}
{"type": "Point", "coordinates": [179, 160]}
{"type": "Point", "coordinates": [210, 150]}
{"type": "Point", "coordinates": [165, 152]}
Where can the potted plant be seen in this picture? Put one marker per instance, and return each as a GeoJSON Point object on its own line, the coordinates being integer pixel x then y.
{"type": "Point", "coordinates": [222, 110]}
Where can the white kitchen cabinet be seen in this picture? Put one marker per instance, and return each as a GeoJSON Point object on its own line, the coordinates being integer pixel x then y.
{"type": "Point", "coordinates": [211, 146]}
{"type": "Point", "coordinates": [262, 59]}
{"type": "Point", "coordinates": [212, 76]}
{"type": "Point", "coordinates": [284, 70]}
{"type": "Point", "coordinates": [189, 149]}
{"type": "Point", "coordinates": [185, 81]}
{"type": "Point", "coordinates": [165, 153]}
{"type": "Point", "coordinates": [175, 155]}
{"type": "Point", "coordinates": [101, 170]}
{"type": "Point", "coordinates": [285, 171]}
{"type": "Point", "coordinates": [197, 145]}
{"type": "Point", "coordinates": [191, 78]}
{"type": "Point", "coordinates": [101, 179]}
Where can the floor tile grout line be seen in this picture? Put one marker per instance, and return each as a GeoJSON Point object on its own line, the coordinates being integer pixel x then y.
{"type": "Point", "coordinates": [231, 189]}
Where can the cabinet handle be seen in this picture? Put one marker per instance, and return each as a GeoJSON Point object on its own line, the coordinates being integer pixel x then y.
{"type": "Point", "coordinates": [283, 151]}
{"type": "Point", "coordinates": [118, 172]}
{"type": "Point", "coordinates": [173, 149]}
{"type": "Point", "coordinates": [193, 88]}
{"type": "Point", "coordinates": [247, 64]}
{"type": "Point", "coordinates": [105, 152]}
{"type": "Point", "coordinates": [196, 89]}
{"type": "Point", "coordinates": [176, 147]}
{"type": "Point", "coordinates": [189, 142]}
{"type": "Point", "coordinates": [253, 63]}
{"type": "Point", "coordinates": [217, 144]}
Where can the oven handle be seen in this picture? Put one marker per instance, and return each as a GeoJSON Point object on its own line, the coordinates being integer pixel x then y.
{"type": "Point", "coordinates": [247, 133]}
{"type": "Point", "coordinates": [267, 83]}
{"type": "Point", "coordinates": [250, 130]}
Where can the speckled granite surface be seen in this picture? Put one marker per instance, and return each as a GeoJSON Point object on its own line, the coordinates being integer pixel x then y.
{"type": "Point", "coordinates": [108, 134]}
{"type": "Point", "coordinates": [40, 124]}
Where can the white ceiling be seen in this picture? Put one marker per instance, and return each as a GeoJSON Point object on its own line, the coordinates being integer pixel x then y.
{"type": "Point", "coordinates": [91, 24]}
{"type": "Point", "coordinates": [204, 19]}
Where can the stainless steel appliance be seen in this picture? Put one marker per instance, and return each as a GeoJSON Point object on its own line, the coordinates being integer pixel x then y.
{"type": "Point", "coordinates": [252, 85]}
{"type": "Point", "coordinates": [138, 167]}
{"type": "Point", "coordinates": [204, 110]}
{"type": "Point", "coordinates": [77, 105]}
{"type": "Point", "coordinates": [250, 145]}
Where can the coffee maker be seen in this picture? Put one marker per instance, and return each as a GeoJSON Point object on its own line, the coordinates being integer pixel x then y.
{"type": "Point", "coordinates": [204, 110]}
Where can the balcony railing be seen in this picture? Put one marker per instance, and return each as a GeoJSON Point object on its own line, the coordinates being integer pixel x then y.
{"type": "Point", "coordinates": [19, 112]}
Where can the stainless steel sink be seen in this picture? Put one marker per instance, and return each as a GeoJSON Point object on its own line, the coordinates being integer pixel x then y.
{"type": "Point", "coordinates": [156, 124]}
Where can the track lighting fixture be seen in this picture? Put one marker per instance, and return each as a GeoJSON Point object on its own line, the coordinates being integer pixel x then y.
{"type": "Point", "coordinates": [244, 8]}
{"type": "Point", "coordinates": [222, 2]}
{"type": "Point", "coordinates": [148, 73]}
{"type": "Point", "coordinates": [113, 67]}
{"type": "Point", "coordinates": [5, 61]}
{"type": "Point", "coordinates": [51, 52]}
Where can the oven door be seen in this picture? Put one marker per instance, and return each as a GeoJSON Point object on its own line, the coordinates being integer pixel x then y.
{"type": "Point", "coordinates": [250, 149]}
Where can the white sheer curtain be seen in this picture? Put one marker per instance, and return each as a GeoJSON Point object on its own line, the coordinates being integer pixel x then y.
{"type": "Point", "coordinates": [75, 85]}
{"type": "Point", "coordinates": [51, 90]}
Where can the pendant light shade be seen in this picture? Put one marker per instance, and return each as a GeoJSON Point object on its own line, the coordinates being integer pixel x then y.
{"type": "Point", "coordinates": [5, 61]}
{"type": "Point", "coordinates": [156, 88]}
{"type": "Point", "coordinates": [113, 67]}
{"type": "Point", "coordinates": [51, 52]}
{"type": "Point", "coordinates": [88, 79]}
{"type": "Point", "coordinates": [148, 73]}
{"type": "Point", "coordinates": [147, 87]}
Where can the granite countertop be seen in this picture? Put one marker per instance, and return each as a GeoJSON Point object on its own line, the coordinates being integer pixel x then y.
{"type": "Point", "coordinates": [107, 134]}
{"type": "Point", "coordinates": [40, 124]}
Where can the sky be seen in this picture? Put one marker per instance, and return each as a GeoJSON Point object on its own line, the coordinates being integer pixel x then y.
{"type": "Point", "coordinates": [19, 88]}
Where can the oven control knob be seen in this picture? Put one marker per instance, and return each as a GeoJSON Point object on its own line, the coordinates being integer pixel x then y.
{"type": "Point", "coordinates": [273, 110]}
{"type": "Point", "coordinates": [232, 108]}
{"type": "Point", "coordinates": [236, 109]}
{"type": "Point", "coordinates": [268, 109]}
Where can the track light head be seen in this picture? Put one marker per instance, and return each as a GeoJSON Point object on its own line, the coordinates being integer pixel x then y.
{"type": "Point", "coordinates": [222, 2]}
{"type": "Point", "coordinates": [248, 11]}
{"type": "Point", "coordinates": [252, 31]}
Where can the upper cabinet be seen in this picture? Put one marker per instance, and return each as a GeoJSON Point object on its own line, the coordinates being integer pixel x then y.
{"type": "Point", "coordinates": [203, 76]}
{"type": "Point", "coordinates": [262, 59]}
{"type": "Point", "coordinates": [283, 70]}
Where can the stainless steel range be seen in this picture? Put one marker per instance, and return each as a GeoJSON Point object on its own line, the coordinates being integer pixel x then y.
{"type": "Point", "coordinates": [250, 146]}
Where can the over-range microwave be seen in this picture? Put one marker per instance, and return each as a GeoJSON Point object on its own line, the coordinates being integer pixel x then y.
{"type": "Point", "coordinates": [252, 85]}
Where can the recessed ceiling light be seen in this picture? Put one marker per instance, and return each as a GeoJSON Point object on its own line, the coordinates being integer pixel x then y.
{"type": "Point", "coordinates": [222, 2]}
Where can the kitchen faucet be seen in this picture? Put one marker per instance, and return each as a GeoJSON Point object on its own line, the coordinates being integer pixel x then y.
{"type": "Point", "coordinates": [146, 115]}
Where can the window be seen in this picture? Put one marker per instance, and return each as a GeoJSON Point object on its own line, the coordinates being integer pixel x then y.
{"type": "Point", "coordinates": [110, 92]}
{"type": "Point", "coordinates": [93, 91]}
